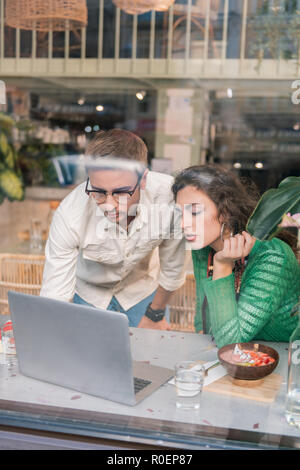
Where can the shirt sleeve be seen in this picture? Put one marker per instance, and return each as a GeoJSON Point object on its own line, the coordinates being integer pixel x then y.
{"type": "Point", "coordinates": [174, 261]}
{"type": "Point", "coordinates": [61, 253]}
{"type": "Point", "coordinates": [260, 297]}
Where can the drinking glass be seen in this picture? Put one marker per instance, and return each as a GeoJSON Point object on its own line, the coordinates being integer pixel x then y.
{"type": "Point", "coordinates": [189, 379]}
{"type": "Point", "coordinates": [36, 238]}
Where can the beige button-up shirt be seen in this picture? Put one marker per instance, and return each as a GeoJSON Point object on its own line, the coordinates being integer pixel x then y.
{"type": "Point", "coordinates": [87, 255]}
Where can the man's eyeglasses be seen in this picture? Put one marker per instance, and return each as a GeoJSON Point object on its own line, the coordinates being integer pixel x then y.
{"type": "Point", "coordinates": [100, 196]}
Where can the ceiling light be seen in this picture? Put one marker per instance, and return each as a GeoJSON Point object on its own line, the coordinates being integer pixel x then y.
{"type": "Point", "coordinates": [140, 95]}
{"type": "Point", "coordinates": [237, 165]}
{"type": "Point", "coordinates": [81, 101]}
{"type": "Point", "coordinates": [259, 165]}
{"type": "Point", "coordinates": [99, 107]}
{"type": "Point", "coordinates": [88, 129]}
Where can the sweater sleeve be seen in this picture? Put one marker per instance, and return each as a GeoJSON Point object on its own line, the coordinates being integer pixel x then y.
{"type": "Point", "coordinates": [263, 285]}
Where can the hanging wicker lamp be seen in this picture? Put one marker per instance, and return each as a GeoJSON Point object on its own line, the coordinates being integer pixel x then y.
{"type": "Point", "coordinates": [137, 7]}
{"type": "Point", "coordinates": [163, 5]}
{"type": "Point", "coordinates": [133, 7]}
{"type": "Point", "coordinates": [46, 15]}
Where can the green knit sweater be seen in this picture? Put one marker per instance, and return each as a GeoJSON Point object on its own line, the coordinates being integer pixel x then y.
{"type": "Point", "coordinates": [270, 288]}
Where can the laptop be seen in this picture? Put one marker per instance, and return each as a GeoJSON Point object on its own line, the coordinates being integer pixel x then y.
{"type": "Point", "coordinates": [81, 348]}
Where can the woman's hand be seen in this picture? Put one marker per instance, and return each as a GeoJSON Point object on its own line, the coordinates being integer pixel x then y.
{"type": "Point", "coordinates": [234, 248]}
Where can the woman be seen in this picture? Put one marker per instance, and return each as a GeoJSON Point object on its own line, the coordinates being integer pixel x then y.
{"type": "Point", "coordinates": [246, 288]}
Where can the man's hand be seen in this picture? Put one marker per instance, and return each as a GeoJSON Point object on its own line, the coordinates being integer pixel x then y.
{"type": "Point", "coordinates": [159, 302]}
{"type": "Point", "coordinates": [159, 325]}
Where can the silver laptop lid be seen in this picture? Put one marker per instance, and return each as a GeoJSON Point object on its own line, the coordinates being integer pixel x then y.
{"type": "Point", "coordinates": [75, 346]}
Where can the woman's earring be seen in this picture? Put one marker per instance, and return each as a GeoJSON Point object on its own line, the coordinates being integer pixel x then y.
{"type": "Point", "coordinates": [222, 232]}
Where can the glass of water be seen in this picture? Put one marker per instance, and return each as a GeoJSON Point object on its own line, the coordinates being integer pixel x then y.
{"type": "Point", "coordinates": [36, 239]}
{"type": "Point", "coordinates": [189, 379]}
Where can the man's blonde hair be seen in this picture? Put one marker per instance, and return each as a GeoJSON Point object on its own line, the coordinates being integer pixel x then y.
{"type": "Point", "coordinates": [118, 143]}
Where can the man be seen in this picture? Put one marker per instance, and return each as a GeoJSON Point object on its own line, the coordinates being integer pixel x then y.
{"type": "Point", "coordinates": [104, 249]}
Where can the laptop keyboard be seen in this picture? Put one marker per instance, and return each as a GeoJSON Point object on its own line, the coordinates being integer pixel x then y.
{"type": "Point", "coordinates": [139, 384]}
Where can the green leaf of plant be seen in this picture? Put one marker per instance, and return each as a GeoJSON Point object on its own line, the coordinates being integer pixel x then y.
{"type": "Point", "coordinates": [290, 180]}
{"type": "Point", "coordinates": [6, 122]}
{"type": "Point", "coordinates": [4, 145]}
{"type": "Point", "coordinates": [11, 185]}
{"type": "Point", "coordinates": [2, 197]}
{"type": "Point", "coordinates": [10, 158]}
{"type": "Point", "coordinates": [274, 203]}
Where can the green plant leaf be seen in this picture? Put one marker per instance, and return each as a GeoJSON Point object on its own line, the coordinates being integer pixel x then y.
{"type": "Point", "coordinates": [290, 180]}
{"type": "Point", "coordinates": [274, 203]}
{"type": "Point", "coordinates": [11, 185]}
{"type": "Point", "coordinates": [2, 197]}
{"type": "Point", "coordinates": [10, 158]}
{"type": "Point", "coordinates": [4, 145]}
{"type": "Point", "coordinates": [6, 122]}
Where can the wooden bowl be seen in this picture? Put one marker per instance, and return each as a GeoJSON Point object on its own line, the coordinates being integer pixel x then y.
{"type": "Point", "coordinates": [249, 373]}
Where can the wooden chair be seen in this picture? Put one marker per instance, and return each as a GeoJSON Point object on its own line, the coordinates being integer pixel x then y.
{"type": "Point", "coordinates": [183, 306]}
{"type": "Point", "coordinates": [20, 273]}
